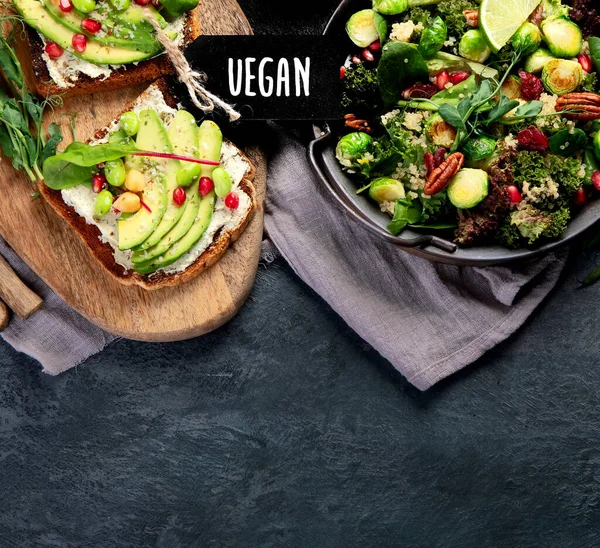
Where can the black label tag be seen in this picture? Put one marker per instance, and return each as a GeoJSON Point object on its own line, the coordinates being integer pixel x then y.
{"type": "Point", "coordinates": [272, 77]}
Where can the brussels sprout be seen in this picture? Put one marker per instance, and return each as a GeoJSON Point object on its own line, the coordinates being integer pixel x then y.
{"type": "Point", "coordinates": [537, 60]}
{"type": "Point", "coordinates": [440, 132]}
{"type": "Point", "coordinates": [564, 38]}
{"type": "Point", "coordinates": [596, 145]}
{"type": "Point", "coordinates": [474, 47]}
{"type": "Point", "coordinates": [567, 142]}
{"type": "Point", "coordinates": [527, 39]}
{"type": "Point", "coordinates": [433, 37]}
{"type": "Point", "coordinates": [351, 146]}
{"type": "Point", "coordinates": [468, 188]}
{"type": "Point", "coordinates": [561, 76]}
{"type": "Point", "coordinates": [385, 189]}
{"type": "Point", "coordinates": [512, 87]}
{"type": "Point", "coordinates": [479, 148]}
{"type": "Point", "coordinates": [390, 7]}
{"type": "Point", "coordinates": [365, 27]}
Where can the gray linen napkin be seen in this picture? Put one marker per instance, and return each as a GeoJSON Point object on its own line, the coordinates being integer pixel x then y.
{"type": "Point", "coordinates": [429, 320]}
{"type": "Point", "coordinates": [57, 336]}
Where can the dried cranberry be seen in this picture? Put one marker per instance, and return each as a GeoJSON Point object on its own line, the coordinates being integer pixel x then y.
{"type": "Point", "coordinates": [420, 91]}
{"type": "Point", "coordinates": [532, 139]}
{"type": "Point", "coordinates": [439, 156]}
{"type": "Point", "coordinates": [532, 87]}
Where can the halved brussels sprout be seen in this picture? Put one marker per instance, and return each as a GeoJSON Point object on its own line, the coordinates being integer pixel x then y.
{"type": "Point", "coordinates": [351, 146]}
{"type": "Point", "coordinates": [479, 148]}
{"type": "Point", "coordinates": [433, 37]}
{"type": "Point", "coordinates": [468, 188]}
{"type": "Point", "coordinates": [473, 46]}
{"type": "Point", "coordinates": [390, 7]}
{"type": "Point", "coordinates": [527, 39]}
{"type": "Point", "coordinates": [537, 60]}
{"type": "Point", "coordinates": [440, 132]}
{"type": "Point", "coordinates": [564, 38]}
{"type": "Point", "coordinates": [512, 87]}
{"type": "Point", "coordinates": [385, 189]}
{"type": "Point", "coordinates": [365, 27]}
{"type": "Point", "coordinates": [561, 76]}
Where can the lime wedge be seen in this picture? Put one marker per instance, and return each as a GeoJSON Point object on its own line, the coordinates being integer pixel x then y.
{"type": "Point", "coordinates": [500, 19]}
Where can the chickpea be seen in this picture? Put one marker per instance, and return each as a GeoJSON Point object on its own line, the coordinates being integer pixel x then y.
{"type": "Point", "coordinates": [128, 202]}
{"type": "Point", "coordinates": [135, 181]}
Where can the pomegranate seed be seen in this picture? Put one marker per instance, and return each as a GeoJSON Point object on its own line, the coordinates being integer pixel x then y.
{"type": "Point", "coordinates": [375, 46]}
{"type": "Point", "coordinates": [206, 185]}
{"type": "Point", "coordinates": [367, 55]}
{"type": "Point", "coordinates": [442, 79]}
{"type": "Point", "coordinates": [53, 50]}
{"type": "Point", "coordinates": [458, 77]}
{"type": "Point", "coordinates": [65, 5]}
{"type": "Point", "coordinates": [596, 180]}
{"type": "Point", "coordinates": [514, 195]}
{"type": "Point", "coordinates": [179, 196]}
{"type": "Point", "coordinates": [342, 72]}
{"type": "Point", "coordinates": [356, 60]}
{"type": "Point", "coordinates": [232, 200]}
{"type": "Point", "coordinates": [142, 2]}
{"type": "Point", "coordinates": [580, 198]}
{"type": "Point", "coordinates": [586, 62]}
{"type": "Point", "coordinates": [79, 42]}
{"type": "Point", "coordinates": [91, 26]}
{"type": "Point", "coordinates": [98, 182]}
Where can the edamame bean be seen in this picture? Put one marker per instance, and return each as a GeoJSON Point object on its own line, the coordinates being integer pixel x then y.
{"type": "Point", "coordinates": [222, 182]}
{"type": "Point", "coordinates": [130, 123]}
{"type": "Point", "coordinates": [115, 173]}
{"type": "Point", "coordinates": [103, 203]}
{"type": "Point", "coordinates": [188, 173]}
{"type": "Point", "coordinates": [86, 6]}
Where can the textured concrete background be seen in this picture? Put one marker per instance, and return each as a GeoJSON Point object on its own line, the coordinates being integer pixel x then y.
{"type": "Point", "coordinates": [283, 428]}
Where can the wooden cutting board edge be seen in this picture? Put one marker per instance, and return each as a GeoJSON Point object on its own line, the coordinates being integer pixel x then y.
{"type": "Point", "coordinates": [246, 250]}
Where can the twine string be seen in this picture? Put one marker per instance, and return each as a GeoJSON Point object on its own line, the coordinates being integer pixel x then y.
{"type": "Point", "coordinates": [201, 97]}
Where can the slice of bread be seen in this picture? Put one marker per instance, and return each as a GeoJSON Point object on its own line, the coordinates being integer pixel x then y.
{"type": "Point", "coordinates": [103, 252]}
{"type": "Point", "coordinates": [122, 76]}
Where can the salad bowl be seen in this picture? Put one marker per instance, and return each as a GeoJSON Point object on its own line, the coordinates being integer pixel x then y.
{"type": "Point", "coordinates": [432, 244]}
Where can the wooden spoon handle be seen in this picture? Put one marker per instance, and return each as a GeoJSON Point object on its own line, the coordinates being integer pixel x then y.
{"type": "Point", "coordinates": [4, 316]}
{"type": "Point", "coordinates": [22, 300]}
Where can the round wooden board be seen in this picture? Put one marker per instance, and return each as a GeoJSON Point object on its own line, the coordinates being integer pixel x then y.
{"type": "Point", "coordinates": [61, 259]}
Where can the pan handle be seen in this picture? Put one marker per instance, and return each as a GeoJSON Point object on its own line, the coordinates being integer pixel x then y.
{"type": "Point", "coordinates": [314, 149]}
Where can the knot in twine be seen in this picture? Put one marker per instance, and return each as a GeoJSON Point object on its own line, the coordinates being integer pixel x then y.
{"type": "Point", "coordinates": [201, 97]}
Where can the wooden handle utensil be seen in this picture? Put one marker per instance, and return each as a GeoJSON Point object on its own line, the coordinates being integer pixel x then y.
{"type": "Point", "coordinates": [4, 316]}
{"type": "Point", "coordinates": [19, 298]}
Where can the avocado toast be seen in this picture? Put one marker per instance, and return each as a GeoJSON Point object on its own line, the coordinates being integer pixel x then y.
{"type": "Point", "coordinates": [181, 218]}
{"type": "Point", "coordinates": [86, 46]}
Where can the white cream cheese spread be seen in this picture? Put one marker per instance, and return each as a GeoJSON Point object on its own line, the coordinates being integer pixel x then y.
{"type": "Point", "coordinates": [81, 198]}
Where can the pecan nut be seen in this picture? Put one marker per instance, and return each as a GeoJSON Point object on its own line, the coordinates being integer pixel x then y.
{"type": "Point", "coordinates": [441, 176]}
{"type": "Point", "coordinates": [472, 17]}
{"type": "Point", "coordinates": [579, 106]}
{"type": "Point", "coordinates": [358, 124]}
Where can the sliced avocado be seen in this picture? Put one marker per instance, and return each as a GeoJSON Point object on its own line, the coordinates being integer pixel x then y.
{"type": "Point", "coordinates": [139, 41]}
{"type": "Point", "coordinates": [152, 136]}
{"type": "Point", "coordinates": [174, 8]}
{"type": "Point", "coordinates": [172, 167]}
{"type": "Point", "coordinates": [37, 17]}
{"type": "Point", "coordinates": [201, 222]}
{"type": "Point", "coordinates": [207, 145]}
{"type": "Point", "coordinates": [136, 14]}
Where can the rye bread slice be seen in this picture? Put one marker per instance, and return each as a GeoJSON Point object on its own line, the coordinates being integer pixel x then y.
{"type": "Point", "coordinates": [124, 76]}
{"type": "Point", "coordinates": [103, 252]}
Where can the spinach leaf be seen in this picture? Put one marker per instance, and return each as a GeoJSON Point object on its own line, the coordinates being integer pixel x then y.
{"type": "Point", "coordinates": [401, 65]}
{"type": "Point", "coordinates": [405, 213]}
{"type": "Point", "coordinates": [88, 155]}
{"type": "Point", "coordinates": [54, 138]}
{"type": "Point", "coordinates": [451, 114]}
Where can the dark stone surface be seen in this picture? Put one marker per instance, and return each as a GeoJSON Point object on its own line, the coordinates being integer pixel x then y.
{"type": "Point", "coordinates": [283, 428]}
